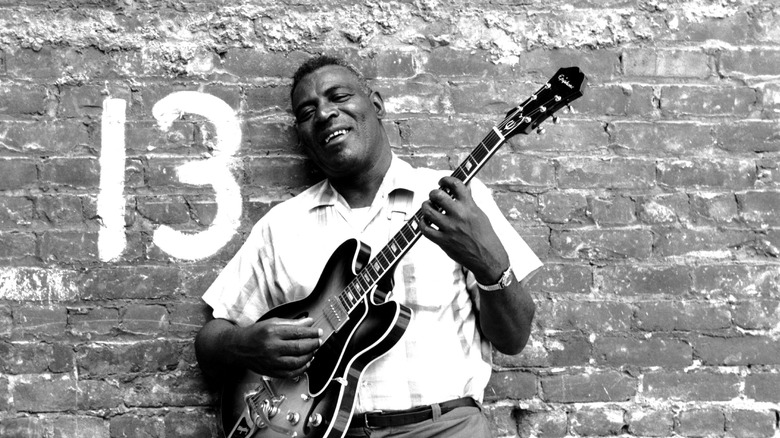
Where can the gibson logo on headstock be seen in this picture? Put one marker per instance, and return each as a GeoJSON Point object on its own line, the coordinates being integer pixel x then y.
{"type": "Point", "coordinates": [563, 80]}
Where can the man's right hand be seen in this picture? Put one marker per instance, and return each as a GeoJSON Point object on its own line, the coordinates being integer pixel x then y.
{"type": "Point", "coordinates": [277, 347]}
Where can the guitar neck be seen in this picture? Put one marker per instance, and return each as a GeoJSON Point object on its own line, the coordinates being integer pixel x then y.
{"type": "Point", "coordinates": [410, 232]}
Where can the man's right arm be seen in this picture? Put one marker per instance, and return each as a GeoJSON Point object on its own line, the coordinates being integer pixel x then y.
{"type": "Point", "coordinates": [274, 347]}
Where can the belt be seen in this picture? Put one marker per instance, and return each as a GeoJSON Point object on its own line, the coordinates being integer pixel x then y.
{"type": "Point", "coordinates": [380, 419]}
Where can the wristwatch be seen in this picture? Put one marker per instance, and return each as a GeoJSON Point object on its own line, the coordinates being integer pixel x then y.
{"type": "Point", "coordinates": [503, 282]}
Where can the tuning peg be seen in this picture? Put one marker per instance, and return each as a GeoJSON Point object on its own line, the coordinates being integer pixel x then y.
{"type": "Point", "coordinates": [571, 110]}
{"type": "Point", "coordinates": [556, 119]}
{"type": "Point", "coordinates": [540, 130]}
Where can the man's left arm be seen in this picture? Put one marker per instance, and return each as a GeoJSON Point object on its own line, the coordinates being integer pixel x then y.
{"type": "Point", "coordinates": [461, 228]}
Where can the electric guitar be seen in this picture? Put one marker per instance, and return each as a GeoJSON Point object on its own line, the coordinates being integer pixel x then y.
{"type": "Point", "coordinates": [350, 305]}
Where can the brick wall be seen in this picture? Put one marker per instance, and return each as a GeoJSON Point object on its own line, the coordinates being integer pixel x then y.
{"type": "Point", "coordinates": [654, 204]}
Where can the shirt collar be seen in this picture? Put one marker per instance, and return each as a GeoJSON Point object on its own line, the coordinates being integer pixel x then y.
{"type": "Point", "coordinates": [397, 177]}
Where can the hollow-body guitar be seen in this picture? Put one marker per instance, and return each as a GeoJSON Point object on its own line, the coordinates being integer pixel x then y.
{"type": "Point", "coordinates": [350, 305]}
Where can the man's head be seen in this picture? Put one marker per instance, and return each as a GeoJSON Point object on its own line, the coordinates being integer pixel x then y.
{"type": "Point", "coordinates": [338, 118]}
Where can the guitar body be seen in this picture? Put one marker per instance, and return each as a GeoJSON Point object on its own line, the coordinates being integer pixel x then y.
{"type": "Point", "coordinates": [321, 402]}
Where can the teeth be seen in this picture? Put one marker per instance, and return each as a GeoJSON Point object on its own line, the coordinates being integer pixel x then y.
{"type": "Point", "coordinates": [335, 134]}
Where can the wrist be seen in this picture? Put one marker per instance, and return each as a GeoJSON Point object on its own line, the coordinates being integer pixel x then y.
{"type": "Point", "coordinates": [506, 278]}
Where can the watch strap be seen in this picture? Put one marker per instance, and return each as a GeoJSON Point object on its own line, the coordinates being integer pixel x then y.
{"type": "Point", "coordinates": [503, 282]}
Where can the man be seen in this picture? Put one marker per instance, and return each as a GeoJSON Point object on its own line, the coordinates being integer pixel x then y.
{"type": "Point", "coordinates": [460, 279]}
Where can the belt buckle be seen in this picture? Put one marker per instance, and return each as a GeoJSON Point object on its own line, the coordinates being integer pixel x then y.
{"type": "Point", "coordinates": [365, 417]}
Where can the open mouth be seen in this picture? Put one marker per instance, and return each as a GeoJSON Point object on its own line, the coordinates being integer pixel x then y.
{"type": "Point", "coordinates": [335, 135]}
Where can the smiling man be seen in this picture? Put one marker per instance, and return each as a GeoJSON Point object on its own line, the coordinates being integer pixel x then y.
{"type": "Point", "coordinates": [465, 280]}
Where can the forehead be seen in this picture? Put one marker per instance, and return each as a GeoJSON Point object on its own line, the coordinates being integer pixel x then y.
{"type": "Point", "coordinates": [323, 79]}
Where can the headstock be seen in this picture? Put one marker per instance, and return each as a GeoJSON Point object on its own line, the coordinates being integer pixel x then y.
{"type": "Point", "coordinates": [565, 86]}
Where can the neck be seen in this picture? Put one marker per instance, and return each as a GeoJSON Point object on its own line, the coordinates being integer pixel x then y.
{"type": "Point", "coordinates": [360, 189]}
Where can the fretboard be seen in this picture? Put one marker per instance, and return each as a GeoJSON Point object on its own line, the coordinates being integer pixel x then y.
{"type": "Point", "coordinates": [410, 232]}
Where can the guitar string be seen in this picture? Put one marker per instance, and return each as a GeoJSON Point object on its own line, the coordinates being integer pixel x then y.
{"type": "Point", "coordinates": [410, 232]}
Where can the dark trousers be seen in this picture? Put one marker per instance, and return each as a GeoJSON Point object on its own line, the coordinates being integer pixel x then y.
{"type": "Point", "coordinates": [464, 422]}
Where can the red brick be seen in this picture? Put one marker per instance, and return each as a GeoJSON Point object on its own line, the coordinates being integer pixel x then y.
{"type": "Point", "coordinates": [746, 136]}
{"type": "Point", "coordinates": [661, 316]}
{"type": "Point", "coordinates": [516, 385]}
{"type": "Point", "coordinates": [690, 386]}
{"type": "Point", "coordinates": [15, 245]}
{"type": "Point", "coordinates": [261, 135]}
{"type": "Point", "coordinates": [29, 358]}
{"type": "Point", "coordinates": [46, 394]}
{"type": "Point", "coordinates": [646, 280]}
{"type": "Point", "coordinates": [644, 421]}
{"type": "Point", "coordinates": [678, 138]}
{"type": "Point", "coordinates": [15, 212]}
{"type": "Point", "coordinates": [71, 172]}
{"type": "Point", "coordinates": [714, 208]}
{"type": "Point", "coordinates": [562, 279]}
{"type": "Point", "coordinates": [737, 351]}
{"type": "Point", "coordinates": [760, 209]}
{"type": "Point", "coordinates": [672, 63]}
{"type": "Point", "coordinates": [612, 210]}
{"type": "Point", "coordinates": [701, 422]}
{"type": "Point", "coordinates": [664, 209]}
{"type": "Point", "coordinates": [700, 242]}
{"type": "Point", "coordinates": [518, 208]}
{"type": "Point", "coordinates": [763, 387]}
{"type": "Point", "coordinates": [17, 174]}
{"type": "Point", "coordinates": [136, 426]}
{"type": "Point", "coordinates": [146, 136]}
{"type": "Point", "coordinates": [517, 170]}
{"type": "Point", "coordinates": [679, 101]}
{"type": "Point", "coordinates": [706, 173]}
{"type": "Point", "coordinates": [591, 316]}
{"type": "Point", "coordinates": [502, 420]}
{"type": "Point", "coordinates": [598, 421]}
{"type": "Point", "coordinates": [69, 246]}
{"type": "Point", "coordinates": [110, 359]}
{"type": "Point", "coordinates": [417, 96]}
{"type": "Point", "coordinates": [22, 427]}
{"type": "Point", "coordinates": [600, 244]}
{"type": "Point", "coordinates": [45, 137]}
{"type": "Point", "coordinates": [668, 353]}
{"type": "Point", "coordinates": [756, 314]}
{"type": "Point", "coordinates": [130, 282]}
{"type": "Point", "coordinates": [168, 210]}
{"type": "Point", "coordinates": [185, 424]}
{"type": "Point", "coordinates": [617, 100]}
{"type": "Point", "coordinates": [249, 63]}
{"type": "Point", "coordinates": [598, 386]}
{"type": "Point", "coordinates": [557, 207]}
{"type": "Point", "coordinates": [61, 210]}
{"type": "Point", "coordinates": [749, 62]}
{"type": "Point", "coordinates": [613, 173]}
{"type": "Point", "coordinates": [280, 172]}
{"type": "Point", "coordinates": [20, 100]}
{"type": "Point", "coordinates": [40, 320]}
{"type": "Point", "coordinates": [87, 100]}
{"type": "Point", "coordinates": [173, 389]}
{"type": "Point", "coordinates": [450, 62]}
{"type": "Point", "coordinates": [145, 319]}
{"type": "Point", "coordinates": [548, 424]}
{"type": "Point", "coordinates": [726, 280]}
{"type": "Point", "coordinates": [752, 424]}
{"type": "Point", "coordinates": [96, 321]}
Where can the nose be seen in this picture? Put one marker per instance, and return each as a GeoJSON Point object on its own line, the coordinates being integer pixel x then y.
{"type": "Point", "coordinates": [327, 111]}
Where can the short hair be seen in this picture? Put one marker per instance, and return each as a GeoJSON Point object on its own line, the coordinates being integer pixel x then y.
{"type": "Point", "coordinates": [313, 64]}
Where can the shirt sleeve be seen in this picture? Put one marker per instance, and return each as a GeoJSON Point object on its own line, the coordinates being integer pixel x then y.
{"type": "Point", "coordinates": [521, 256]}
{"type": "Point", "coordinates": [242, 291]}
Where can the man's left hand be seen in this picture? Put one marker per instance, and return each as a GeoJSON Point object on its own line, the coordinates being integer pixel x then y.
{"type": "Point", "coordinates": [453, 221]}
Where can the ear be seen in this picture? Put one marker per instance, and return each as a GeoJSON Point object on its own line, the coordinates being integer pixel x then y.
{"type": "Point", "coordinates": [378, 103]}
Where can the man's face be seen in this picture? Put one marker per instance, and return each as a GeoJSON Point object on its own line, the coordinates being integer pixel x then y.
{"type": "Point", "coordinates": [337, 122]}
